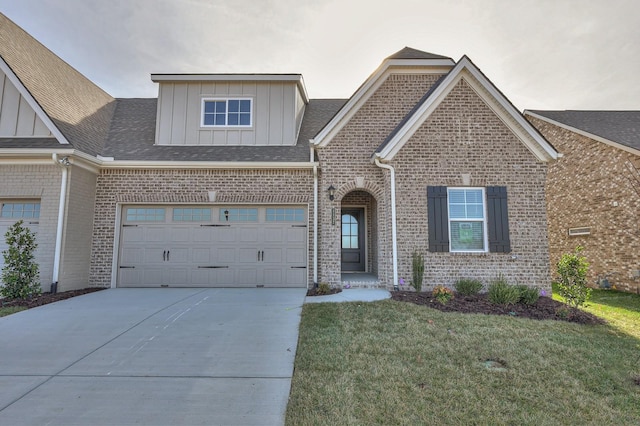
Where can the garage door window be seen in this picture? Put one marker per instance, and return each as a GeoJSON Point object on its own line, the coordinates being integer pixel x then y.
{"type": "Point", "coordinates": [145, 215]}
{"type": "Point", "coordinates": [191, 215]}
{"type": "Point", "coordinates": [285, 215]}
{"type": "Point", "coordinates": [20, 211]}
{"type": "Point", "coordinates": [238, 215]}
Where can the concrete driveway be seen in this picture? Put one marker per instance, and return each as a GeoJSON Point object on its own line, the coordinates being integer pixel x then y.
{"type": "Point", "coordinates": [151, 356]}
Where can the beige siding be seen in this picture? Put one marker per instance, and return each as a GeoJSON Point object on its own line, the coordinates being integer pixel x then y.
{"type": "Point", "coordinates": [37, 182]}
{"type": "Point", "coordinates": [76, 245]}
{"type": "Point", "coordinates": [17, 118]}
{"type": "Point", "coordinates": [276, 113]}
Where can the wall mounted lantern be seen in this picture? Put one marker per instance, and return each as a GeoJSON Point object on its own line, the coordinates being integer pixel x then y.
{"type": "Point", "coordinates": [332, 191]}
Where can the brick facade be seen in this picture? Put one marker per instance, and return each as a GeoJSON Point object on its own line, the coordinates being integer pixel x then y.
{"type": "Point", "coordinates": [116, 187]}
{"type": "Point", "coordinates": [464, 136]}
{"type": "Point", "coordinates": [594, 185]}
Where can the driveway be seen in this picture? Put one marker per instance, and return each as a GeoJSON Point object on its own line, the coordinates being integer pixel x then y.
{"type": "Point", "coordinates": [151, 356]}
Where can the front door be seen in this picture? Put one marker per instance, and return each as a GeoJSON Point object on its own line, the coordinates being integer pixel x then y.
{"type": "Point", "coordinates": [353, 252]}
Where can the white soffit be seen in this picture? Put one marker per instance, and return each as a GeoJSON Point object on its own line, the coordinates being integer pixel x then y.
{"type": "Point", "coordinates": [492, 97]}
{"type": "Point", "coordinates": [42, 115]}
{"type": "Point", "coordinates": [371, 84]}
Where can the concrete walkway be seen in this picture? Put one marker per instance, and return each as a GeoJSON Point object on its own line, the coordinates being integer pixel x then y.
{"type": "Point", "coordinates": [151, 357]}
{"type": "Point", "coordinates": [352, 295]}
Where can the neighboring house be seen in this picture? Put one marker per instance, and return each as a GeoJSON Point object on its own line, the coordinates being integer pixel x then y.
{"type": "Point", "coordinates": [593, 191]}
{"type": "Point", "coordinates": [242, 180]}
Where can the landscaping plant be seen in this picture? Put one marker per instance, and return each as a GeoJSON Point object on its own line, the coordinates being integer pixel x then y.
{"type": "Point", "coordinates": [502, 293]}
{"type": "Point", "coordinates": [572, 278]}
{"type": "Point", "coordinates": [442, 294]}
{"type": "Point", "coordinates": [417, 263]}
{"type": "Point", "coordinates": [528, 295]}
{"type": "Point", "coordinates": [468, 287]}
{"type": "Point", "coordinates": [20, 274]}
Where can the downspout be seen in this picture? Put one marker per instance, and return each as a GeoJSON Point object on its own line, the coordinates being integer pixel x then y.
{"type": "Point", "coordinates": [394, 239]}
{"type": "Point", "coordinates": [64, 163]}
{"type": "Point", "coordinates": [315, 226]}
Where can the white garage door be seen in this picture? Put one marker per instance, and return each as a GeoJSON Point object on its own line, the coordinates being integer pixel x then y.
{"type": "Point", "coordinates": [13, 211]}
{"type": "Point", "coordinates": [217, 246]}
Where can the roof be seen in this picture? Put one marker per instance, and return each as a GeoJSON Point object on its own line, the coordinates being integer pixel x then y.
{"type": "Point", "coordinates": [410, 53]}
{"type": "Point", "coordinates": [621, 127]}
{"type": "Point", "coordinates": [132, 137]}
{"type": "Point", "coordinates": [79, 109]}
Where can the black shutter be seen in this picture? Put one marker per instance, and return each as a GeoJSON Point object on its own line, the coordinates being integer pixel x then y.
{"type": "Point", "coordinates": [498, 221]}
{"type": "Point", "coordinates": [438, 218]}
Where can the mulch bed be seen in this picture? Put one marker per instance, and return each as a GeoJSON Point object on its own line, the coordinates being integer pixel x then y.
{"type": "Point", "coordinates": [46, 298]}
{"type": "Point", "coordinates": [314, 292]}
{"type": "Point", "coordinates": [544, 309]}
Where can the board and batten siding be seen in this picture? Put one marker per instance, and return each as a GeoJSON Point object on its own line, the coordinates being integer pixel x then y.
{"type": "Point", "coordinates": [17, 118]}
{"type": "Point", "coordinates": [277, 112]}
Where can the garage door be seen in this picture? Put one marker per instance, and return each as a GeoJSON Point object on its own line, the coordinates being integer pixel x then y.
{"type": "Point", "coordinates": [13, 211]}
{"type": "Point", "coordinates": [216, 246]}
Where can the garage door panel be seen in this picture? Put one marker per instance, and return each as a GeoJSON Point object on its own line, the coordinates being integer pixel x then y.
{"type": "Point", "coordinates": [269, 252]}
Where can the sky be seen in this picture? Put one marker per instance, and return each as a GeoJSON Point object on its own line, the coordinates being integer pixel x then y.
{"type": "Point", "coordinates": [542, 54]}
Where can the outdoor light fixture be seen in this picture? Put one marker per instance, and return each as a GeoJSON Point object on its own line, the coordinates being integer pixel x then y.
{"type": "Point", "coordinates": [65, 161]}
{"type": "Point", "coordinates": [332, 192]}
{"type": "Point", "coordinates": [226, 215]}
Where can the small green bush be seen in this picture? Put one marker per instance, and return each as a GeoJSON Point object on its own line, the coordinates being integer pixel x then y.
{"type": "Point", "coordinates": [528, 295]}
{"type": "Point", "coordinates": [468, 287]}
{"type": "Point", "coordinates": [417, 263]}
{"type": "Point", "coordinates": [501, 293]}
{"type": "Point", "coordinates": [20, 274]}
{"type": "Point", "coordinates": [572, 278]}
{"type": "Point", "coordinates": [323, 288]}
{"type": "Point", "coordinates": [442, 294]}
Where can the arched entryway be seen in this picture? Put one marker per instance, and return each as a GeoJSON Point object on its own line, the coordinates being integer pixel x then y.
{"type": "Point", "coordinates": [359, 237]}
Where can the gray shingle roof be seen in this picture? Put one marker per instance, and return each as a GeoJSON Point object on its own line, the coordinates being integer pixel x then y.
{"type": "Point", "coordinates": [80, 109]}
{"type": "Point", "coordinates": [622, 127]}
{"type": "Point", "coordinates": [132, 137]}
{"type": "Point", "coordinates": [33, 143]}
{"type": "Point", "coordinates": [410, 53]}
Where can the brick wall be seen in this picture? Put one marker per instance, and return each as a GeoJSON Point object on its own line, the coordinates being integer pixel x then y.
{"type": "Point", "coordinates": [464, 136]}
{"type": "Point", "coordinates": [37, 182]}
{"type": "Point", "coordinates": [193, 186]}
{"type": "Point", "coordinates": [593, 186]}
{"type": "Point", "coordinates": [346, 164]}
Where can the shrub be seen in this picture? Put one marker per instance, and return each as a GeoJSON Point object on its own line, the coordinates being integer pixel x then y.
{"type": "Point", "coordinates": [442, 294]}
{"type": "Point", "coordinates": [572, 278]}
{"type": "Point", "coordinates": [528, 295]}
{"type": "Point", "coordinates": [20, 274]}
{"type": "Point", "coordinates": [468, 287]}
{"type": "Point", "coordinates": [417, 263]}
{"type": "Point", "coordinates": [323, 288]}
{"type": "Point", "coordinates": [501, 293]}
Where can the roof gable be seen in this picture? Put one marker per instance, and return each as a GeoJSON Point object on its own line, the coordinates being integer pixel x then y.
{"type": "Point", "coordinates": [620, 129]}
{"type": "Point", "coordinates": [406, 60]}
{"type": "Point", "coordinates": [465, 69]}
{"type": "Point", "coordinates": [75, 110]}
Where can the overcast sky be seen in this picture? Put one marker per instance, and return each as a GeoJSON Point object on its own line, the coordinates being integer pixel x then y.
{"type": "Point", "coordinates": [542, 54]}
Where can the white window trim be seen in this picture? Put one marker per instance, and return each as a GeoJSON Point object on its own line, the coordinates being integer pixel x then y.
{"type": "Point", "coordinates": [483, 220]}
{"type": "Point", "coordinates": [226, 126]}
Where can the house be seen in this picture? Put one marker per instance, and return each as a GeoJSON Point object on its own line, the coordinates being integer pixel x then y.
{"type": "Point", "coordinates": [242, 180]}
{"type": "Point", "coordinates": [593, 191]}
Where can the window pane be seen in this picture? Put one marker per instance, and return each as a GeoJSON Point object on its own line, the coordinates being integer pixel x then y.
{"type": "Point", "coordinates": [209, 107]}
{"type": "Point", "coordinates": [20, 210]}
{"type": "Point", "coordinates": [208, 119]}
{"type": "Point", "coordinates": [457, 212]}
{"type": "Point", "coordinates": [245, 119]}
{"type": "Point", "coordinates": [467, 236]}
{"type": "Point", "coordinates": [456, 196]}
{"type": "Point", "coordinates": [234, 105]}
{"type": "Point", "coordinates": [220, 120]}
{"type": "Point", "coordinates": [346, 242]}
{"type": "Point", "coordinates": [233, 119]}
{"type": "Point", "coordinates": [475, 211]}
{"type": "Point", "coordinates": [473, 196]}
{"type": "Point", "coordinates": [238, 215]}
{"type": "Point", "coordinates": [245, 105]}
{"type": "Point", "coordinates": [145, 215]}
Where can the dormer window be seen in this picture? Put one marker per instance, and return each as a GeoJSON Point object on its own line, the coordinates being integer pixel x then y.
{"type": "Point", "coordinates": [226, 112]}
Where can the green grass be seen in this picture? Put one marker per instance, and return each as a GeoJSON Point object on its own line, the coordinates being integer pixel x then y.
{"type": "Point", "coordinates": [621, 310]}
{"type": "Point", "coordinates": [4, 311]}
{"type": "Point", "coordinates": [397, 363]}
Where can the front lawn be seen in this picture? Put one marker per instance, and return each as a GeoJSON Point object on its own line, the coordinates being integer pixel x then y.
{"type": "Point", "coordinates": [398, 363]}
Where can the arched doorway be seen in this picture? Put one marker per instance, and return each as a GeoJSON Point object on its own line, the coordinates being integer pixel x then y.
{"type": "Point", "coordinates": [359, 233]}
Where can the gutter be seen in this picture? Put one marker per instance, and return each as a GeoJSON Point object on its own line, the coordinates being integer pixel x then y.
{"type": "Point", "coordinates": [315, 226]}
{"type": "Point", "coordinates": [64, 164]}
{"type": "Point", "coordinates": [394, 236]}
